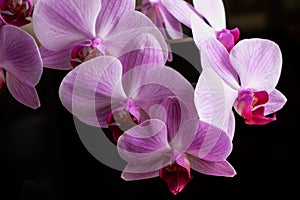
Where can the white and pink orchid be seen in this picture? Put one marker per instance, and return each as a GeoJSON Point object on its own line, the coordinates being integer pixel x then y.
{"type": "Point", "coordinates": [244, 79]}
{"type": "Point", "coordinates": [82, 30]}
{"type": "Point", "coordinates": [20, 65]}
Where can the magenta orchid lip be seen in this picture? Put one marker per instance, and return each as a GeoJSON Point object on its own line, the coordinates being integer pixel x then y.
{"type": "Point", "coordinates": [116, 55]}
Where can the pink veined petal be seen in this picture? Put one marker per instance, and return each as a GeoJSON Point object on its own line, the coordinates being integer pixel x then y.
{"type": "Point", "coordinates": [142, 50]}
{"type": "Point", "coordinates": [59, 60]}
{"type": "Point", "coordinates": [214, 99]}
{"type": "Point", "coordinates": [183, 139]}
{"type": "Point", "coordinates": [63, 24]}
{"type": "Point", "coordinates": [131, 25]}
{"type": "Point", "coordinates": [23, 93]}
{"type": "Point", "coordinates": [152, 13]}
{"type": "Point", "coordinates": [213, 11]}
{"type": "Point", "coordinates": [216, 146]}
{"type": "Point", "coordinates": [138, 176]}
{"type": "Point", "coordinates": [172, 112]}
{"type": "Point", "coordinates": [148, 137]}
{"type": "Point", "coordinates": [86, 91]}
{"type": "Point", "coordinates": [145, 147]}
{"type": "Point", "coordinates": [222, 168]}
{"type": "Point", "coordinates": [202, 140]}
{"type": "Point", "coordinates": [201, 30]}
{"type": "Point", "coordinates": [258, 63]}
{"type": "Point", "coordinates": [150, 94]}
{"type": "Point", "coordinates": [110, 13]}
{"type": "Point", "coordinates": [181, 10]}
{"type": "Point", "coordinates": [276, 101]}
{"type": "Point", "coordinates": [231, 125]}
{"type": "Point", "coordinates": [214, 55]}
{"type": "Point", "coordinates": [133, 81]}
{"type": "Point", "coordinates": [172, 25]}
{"type": "Point", "coordinates": [163, 77]}
{"type": "Point", "coordinates": [19, 55]}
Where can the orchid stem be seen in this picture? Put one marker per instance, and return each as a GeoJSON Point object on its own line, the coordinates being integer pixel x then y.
{"type": "Point", "coordinates": [187, 39]}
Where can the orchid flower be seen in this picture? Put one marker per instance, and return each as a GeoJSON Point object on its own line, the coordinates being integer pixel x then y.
{"type": "Point", "coordinates": [162, 17]}
{"type": "Point", "coordinates": [20, 65]}
{"type": "Point", "coordinates": [16, 12]}
{"type": "Point", "coordinates": [244, 79]}
{"type": "Point", "coordinates": [83, 30]}
{"type": "Point", "coordinates": [161, 14]}
{"type": "Point", "coordinates": [108, 92]}
{"type": "Point", "coordinates": [169, 147]}
{"type": "Point", "coordinates": [214, 13]}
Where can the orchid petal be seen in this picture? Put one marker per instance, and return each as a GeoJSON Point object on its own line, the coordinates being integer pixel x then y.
{"type": "Point", "coordinates": [258, 63]}
{"type": "Point", "coordinates": [162, 79]}
{"type": "Point", "coordinates": [213, 11]}
{"type": "Point", "coordinates": [23, 93]}
{"type": "Point", "coordinates": [231, 125]}
{"type": "Point", "coordinates": [185, 135]}
{"type": "Point", "coordinates": [215, 55]}
{"type": "Point", "coordinates": [151, 12]}
{"type": "Point", "coordinates": [202, 140]}
{"type": "Point", "coordinates": [63, 24]}
{"type": "Point", "coordinates": [110, 13]}
{"type": "Point", "coordinates": [59, 60]}
{"type": "Point", "coordinates": [172, 25]}
{"type": "Point", "coordinates": [201, 30]}
{"type": "Point", "coordinates": [19, 55]}
{"type": "Point", "coordinates": [276, 101]}
{"type": "Point", "coordinates": [222, 168]}
{"type": "Point", "coordinates": [214, 100]}
{"type": "Point", "coordinates": [142, 50]}
{"type": "Point", "coordinates": [131, 25]}
{"type": "Point", "coordinates": [138, 176]}
{"type": "Point", "coordinates": [133, 82]}
{"type": "Point", "coordinates": [145, 147]}
{"type": "Point", "coordinates": [181, 10]}
{"type": "Point", "coordinates": [86, 90]}
{"type": "Point", "coordinates": [172, 112]}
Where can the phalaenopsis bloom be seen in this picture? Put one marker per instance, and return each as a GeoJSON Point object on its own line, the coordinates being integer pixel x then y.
{"type": "Point", "coordinates": [171, 144]}
{"type": "Point", "coordinates": [168, 16]}
{"type": "Point", "coordinates": [20, 65]}
{"type": "Point", "coordinates": [118, 80]}
{"type": "Point", "coordinates": [118, 93]}
{"type": "Point", "coordinates": [83, 30]}
{"type": "Point", "coordinates": [214, 25]}
{"type": "Point", "coordinates": [244, 79]}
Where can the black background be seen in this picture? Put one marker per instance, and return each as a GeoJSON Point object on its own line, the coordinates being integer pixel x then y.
{"type": "Point", "coordinates": [42, 157]}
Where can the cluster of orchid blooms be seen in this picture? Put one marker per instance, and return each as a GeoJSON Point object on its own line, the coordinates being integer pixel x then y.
{"type": "Point", "coordinates": [116, 53]}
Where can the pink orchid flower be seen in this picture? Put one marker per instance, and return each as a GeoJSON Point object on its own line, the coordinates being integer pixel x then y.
{"type": "Point", "coordinates": [162, 17]}
{"type": "Point", "coordinates": [16, 12]}
{"type": "Point", "coordinates": [108, 92]}
{"type": "Point", "coordinates": [20, 65]}
{"type": "Point", "coordinates": [161, 12]}
{"type": "Point", "coordinates": [215, 25]}
{"type": "Point", "coordinates": [169, 147]}
{"type": "Point", "coordinates": [83, 30]}
{"type": "Point", "coordinates": [244, 79]}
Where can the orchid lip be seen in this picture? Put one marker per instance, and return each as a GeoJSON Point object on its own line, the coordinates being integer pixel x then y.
{"type": "Point", "coordinates": [86, 51]}
{"type": "Point", "coordinates": [249, 105]}
{"type": "Point", "coordinates": [20, 8]}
